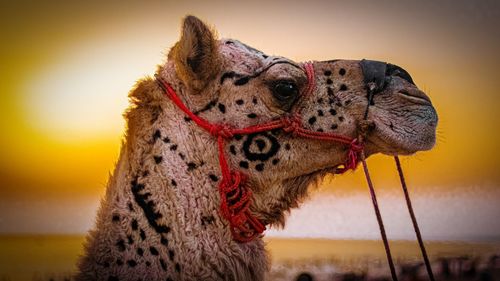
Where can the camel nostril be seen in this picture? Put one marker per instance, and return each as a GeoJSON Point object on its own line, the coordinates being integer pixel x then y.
{"type": "Point", "coordinates": [394, 70]}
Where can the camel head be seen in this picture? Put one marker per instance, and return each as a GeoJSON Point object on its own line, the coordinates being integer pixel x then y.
{"type": "Point", "coordinates": [228, 82]}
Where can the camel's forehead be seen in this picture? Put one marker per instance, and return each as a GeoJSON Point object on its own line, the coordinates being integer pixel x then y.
{"type": "Point", "coordinates": [240, 56]}
{"type": "Point", "coordinates": [238, 47]}
{"type": "Point", "coordinates": [244, 59]}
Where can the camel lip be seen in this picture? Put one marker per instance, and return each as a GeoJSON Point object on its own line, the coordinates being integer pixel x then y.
{"type": "Point", "coordinates": [378, 144]}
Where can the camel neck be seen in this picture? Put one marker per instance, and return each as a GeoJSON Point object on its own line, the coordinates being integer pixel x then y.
{"type": "Point", "coordinates": [160, 213]}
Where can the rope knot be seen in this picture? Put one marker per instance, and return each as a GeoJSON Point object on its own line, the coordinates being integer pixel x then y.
{"type": "Point", "coordinates": [221, 130]}
{"type": "Point", "coordinates": [355, 147]}
{"type": "Point", "coordinates": [352, 157]}
{"type": "Point", "coordinates": [235, 203]}
{"type": "Point", "coordinates": [292, 124]}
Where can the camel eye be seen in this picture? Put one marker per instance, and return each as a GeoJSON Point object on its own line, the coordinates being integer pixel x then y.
{"type": "Point", "coordinates": [285, 91]}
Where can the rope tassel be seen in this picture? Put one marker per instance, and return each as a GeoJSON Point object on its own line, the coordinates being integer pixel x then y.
{"type": "Point", "coordinates": [235, 203]}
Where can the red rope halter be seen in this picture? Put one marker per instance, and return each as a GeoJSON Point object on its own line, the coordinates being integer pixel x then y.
{"type": "Point", "coordinates": [233, 189]}
{"type": "Point", "coordinates": [235, 194]}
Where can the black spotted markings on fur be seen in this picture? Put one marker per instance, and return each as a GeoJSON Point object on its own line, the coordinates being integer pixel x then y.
{"type": "Point", "coordinates": [140, 251]}
{"type": "Point", "coordinates": [243, 79]}
{"type": "Point", "coordinates": [333, 104]}
{"type": "Point", "coordinates": [211, 104]}
{"type": "Point", "coordinates": [260, 146]}
{"type": "Point", "coordinates": [164, 241]}
{"type": "Point", "coordinates": [155, 113]}
{"type": "Point", "coordinates": [173, 147]}
{"type": "Point", "coordinates": [163, 264]}
{"type": "Point", "coordinates": [227, 75]}
{"type": "Point", "coordinates": [130, 206]}
{"type": "Point", "coordinates": [244, 164]}
{"type": "Point", "coordinates": [232, 149]}
{"type": "Point", "coordinates": [206, 220]}
{"type": "Point", "coordinates": [156, 135]}
{"type": "Point", "coordinates": [120, 244]}
{"type": "Point", "coordinates": [131, 263]}
{"type": "Point", "coordinates": [222, 108]}
{"type": "Point", "coordinates": [158, 158]}
{"type": "Point", "coordinates": [191, 166]}
{"type": "Point", "coordinates": [259, 167]}
{"type": "Point", "coordinates": [213, 177]}
{"type": "Point", "coordinates": [252, 115]}
{"type": "Point", "coordinates": [142, 199]}
{"type": "Point", "coordinates": [134, 224]}
{"type": "Point", "coordinates": [148, 207]}
{"type": "Point", "coordinates": [153, 251]}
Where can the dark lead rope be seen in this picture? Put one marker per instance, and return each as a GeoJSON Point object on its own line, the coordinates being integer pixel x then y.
{"type": "Point", "coordinates": [379, 219]}
{"type": "Point", "coordinates": [371, 88]}
{"type": "Point", "coordinates": [413, 219]}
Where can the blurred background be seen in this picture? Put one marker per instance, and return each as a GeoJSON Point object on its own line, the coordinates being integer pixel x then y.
{"type": "Point", "coordinates": [66, 68]}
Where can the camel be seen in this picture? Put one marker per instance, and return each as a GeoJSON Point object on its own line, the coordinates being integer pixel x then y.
{"type": "Point", "coordinates": [161, 216]}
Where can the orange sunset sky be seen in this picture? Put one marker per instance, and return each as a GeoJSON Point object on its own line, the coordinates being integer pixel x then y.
{"type": "Point", "coordinates": [66, 68]}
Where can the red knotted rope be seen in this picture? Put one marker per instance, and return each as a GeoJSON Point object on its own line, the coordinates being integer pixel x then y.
{"type": "Point", "coordinates": [233, 189]}
{"type": "Point", "coordinates": [235, 194]}
{"type": "Point", "coordinates": [379, 218]}
{"type": "Point", "coordinates": [381, 223]}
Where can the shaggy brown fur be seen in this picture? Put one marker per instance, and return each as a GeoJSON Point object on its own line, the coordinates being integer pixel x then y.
{"type": "Point", "coordinates": [160, 220]}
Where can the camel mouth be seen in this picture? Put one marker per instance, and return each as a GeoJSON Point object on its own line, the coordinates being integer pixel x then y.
{"type": "Point", "coordinates": [403, 139]}
{"type": "Point", "coordinates": [415, 96]}
{"type": "Point", "coordinates": [405, 119]}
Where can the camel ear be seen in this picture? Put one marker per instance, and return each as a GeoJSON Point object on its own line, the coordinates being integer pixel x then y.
{"type": "Point", "coordinates": [196, 55]}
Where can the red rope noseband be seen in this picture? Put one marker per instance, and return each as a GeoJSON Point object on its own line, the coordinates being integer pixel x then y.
{"type": "Point", "coordinates": [234, 191]}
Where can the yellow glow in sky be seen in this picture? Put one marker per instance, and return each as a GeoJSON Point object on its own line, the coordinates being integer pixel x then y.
{"type": "Point", "coordinates": [68, 69]}
{"type": "Point", "coordinates": [81, 94]}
